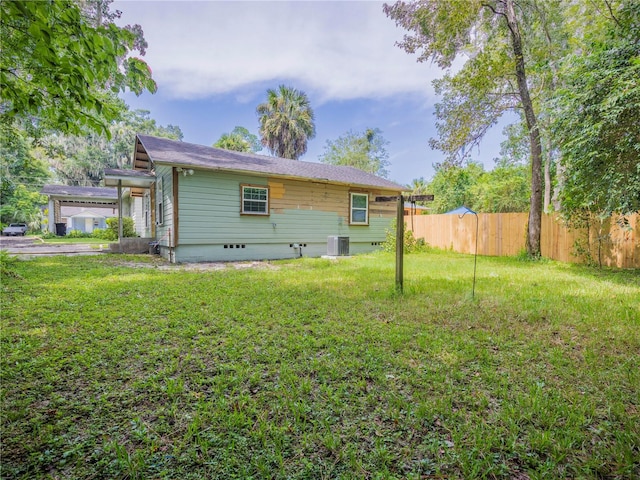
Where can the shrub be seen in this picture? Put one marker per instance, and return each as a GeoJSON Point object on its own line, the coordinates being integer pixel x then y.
{"type": "Point", "coordinates": [411, 243]}
{"type": "Point", "coordinates": [127, 227]}
{"type": "Point", "coordinates": [78, 234]}
{"type": "Point", "coordinates": [104, 234]}
{"type": "Point", "coordinates": [7, 265]}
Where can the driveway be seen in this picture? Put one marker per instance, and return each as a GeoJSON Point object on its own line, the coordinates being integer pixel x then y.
{"type": "Point", "coordinates": [27, 247]}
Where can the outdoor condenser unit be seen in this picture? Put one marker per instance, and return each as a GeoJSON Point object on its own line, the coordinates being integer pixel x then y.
{"type": "Point", "coordinates": [337, 246]}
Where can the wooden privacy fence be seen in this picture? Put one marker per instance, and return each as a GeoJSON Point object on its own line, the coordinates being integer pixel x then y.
{"type": "Point", "coordinates": [608, 243]}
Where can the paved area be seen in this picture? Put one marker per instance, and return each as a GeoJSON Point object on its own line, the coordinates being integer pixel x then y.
{"type": "Point", "coordinates": [26, 247]}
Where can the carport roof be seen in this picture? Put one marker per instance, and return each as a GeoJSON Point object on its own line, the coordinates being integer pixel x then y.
{"type": "Point", "coordinates": [129, 178]}
{"type": "Point", "coordinates": [96, 195]}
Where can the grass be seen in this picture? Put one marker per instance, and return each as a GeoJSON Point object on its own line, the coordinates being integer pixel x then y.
{"type": "Point", "coordinates": [117, 367]}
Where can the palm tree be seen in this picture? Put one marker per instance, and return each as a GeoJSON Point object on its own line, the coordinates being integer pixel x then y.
{"type": "Point", "coordinates": [419, 186]}
{"type": "Point", "coordinates": [286, 122]}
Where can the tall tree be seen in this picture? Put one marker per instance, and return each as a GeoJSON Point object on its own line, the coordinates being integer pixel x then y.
{"type": "Point", "coordinates": [286, 122]}
{"type": "Point", "coordinates": [239, 140]}
{"type": "Point", "coordinates": [491, 33]}
{"type": "Point", "coordinates": [60, 65]}
{"type": "Point", "coordinates": [22, 175]}
{"type": "Point", "coordinates": [363, 150]}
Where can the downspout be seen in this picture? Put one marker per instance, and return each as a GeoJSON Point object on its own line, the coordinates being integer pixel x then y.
{"type": "Point", "coordinates": [120, 215]}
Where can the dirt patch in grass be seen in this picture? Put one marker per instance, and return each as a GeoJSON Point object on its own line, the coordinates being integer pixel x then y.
{"type": "Point", "coordinates": [161, 264]}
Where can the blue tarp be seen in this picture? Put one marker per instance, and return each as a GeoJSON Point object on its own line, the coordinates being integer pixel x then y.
{"type": "Point", "coordinates": [459, 211]}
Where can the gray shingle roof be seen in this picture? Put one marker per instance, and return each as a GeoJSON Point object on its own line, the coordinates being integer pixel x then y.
{"type": "Point", "coordinates": [88, 192]}
{"type": "Point", "coordinates": [165, 151]}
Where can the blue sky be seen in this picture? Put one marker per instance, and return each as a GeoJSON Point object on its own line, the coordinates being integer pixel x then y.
{"type": "Point", "coordinates": [213, 62]}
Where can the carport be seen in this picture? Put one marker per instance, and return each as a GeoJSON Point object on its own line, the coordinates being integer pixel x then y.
{"type": "Point", "coordinates": [137, 181]}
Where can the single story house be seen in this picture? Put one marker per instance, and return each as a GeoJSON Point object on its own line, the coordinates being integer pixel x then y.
{"type": "Point", "coordinates": [86, 220]}
{"type": "Point", "coordinates": [207, 204]}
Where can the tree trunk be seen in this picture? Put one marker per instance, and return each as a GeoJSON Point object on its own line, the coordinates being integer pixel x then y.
{"type": "Point", "coordinates": [535, 210]}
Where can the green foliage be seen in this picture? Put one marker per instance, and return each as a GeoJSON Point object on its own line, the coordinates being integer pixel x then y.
{"type": "Point", "coordinates": [77, 234]}
{"type": "Point", "coordinates": [239, 140]}
{"type": "Point", "coordinates": [128, 229]}
{"type": "Point", "coordinates": [8, 265]}
{"type": "Point", "coordinates": [81, 160]}
{"type": "Point", "coordinates": [57, 64]}
{"type": "Point", "coordinates": [502, 190]}
{"type": "Point", "coordinates": [313, 368]}
{"type": "Point", "coordinates": [23, 206]}
{"type": "Point", "coordinates": [411, 243]}
{"type": "Point", "coordinates": [451, 186]}
{"type": "Point", "coordinates": [286, 122]}
{"type": "Point", "coordinates": [419, 186]}
{"type": "Point", "coordinates": [582, 61]}
{"type": "Point", "coordinates": [22, 175]}
{"type": "Point", "coordinates": [103, 233]}
{"type": "Point", "coordinates": [48, 235]}
{"type": "Point", "coordinates": [364, 150]}
{"type": "Point", "coordinates": [18, 164]}
{"type": "Point", "coordinates": [596, 118]}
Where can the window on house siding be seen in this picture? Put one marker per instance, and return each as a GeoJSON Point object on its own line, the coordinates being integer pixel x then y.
{"type": "Point", "coordinates": [359, 209]}
{"type": "Point", "coordinates": [255, 200]}
{"type": "Point", "coordinates": [159, 202]}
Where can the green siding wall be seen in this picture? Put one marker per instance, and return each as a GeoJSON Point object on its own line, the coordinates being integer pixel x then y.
{"type": "Point", "coordinates": [209, 220]}
{"type": "Point", "coordinates": [162, 230]}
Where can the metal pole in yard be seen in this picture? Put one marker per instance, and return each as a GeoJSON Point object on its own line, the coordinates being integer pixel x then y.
{"type": "Point", "coordinates": [475, 256]}
{"type": "Point", "coordinates": [400, 244]}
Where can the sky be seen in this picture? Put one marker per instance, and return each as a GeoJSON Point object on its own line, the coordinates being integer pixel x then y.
{"type": "Point", "coordinates": [214, 61]}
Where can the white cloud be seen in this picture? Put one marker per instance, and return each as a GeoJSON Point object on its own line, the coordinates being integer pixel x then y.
{"type": "Point", "coordinates": [332, 50]}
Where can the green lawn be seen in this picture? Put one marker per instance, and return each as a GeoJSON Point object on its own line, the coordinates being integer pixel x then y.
{"type": "Point", "coordinates": [71, 240]}
{"type": "Point", "coordinates": [116, 367]}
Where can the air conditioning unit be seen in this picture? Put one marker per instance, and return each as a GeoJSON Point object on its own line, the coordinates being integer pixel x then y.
{"type": "Point", "coordinates": [337, 246]}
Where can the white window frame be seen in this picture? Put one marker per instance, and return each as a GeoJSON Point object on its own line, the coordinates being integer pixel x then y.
{"type": "Point", "coordinates": [254, 201]}
{"type": "Point", "coordinates": [353, 195]}
{"type": "Point", "coordinates": [159, 201]}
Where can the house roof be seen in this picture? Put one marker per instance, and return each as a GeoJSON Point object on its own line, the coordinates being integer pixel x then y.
{"type": "Point", "coordinates": [172, 152]}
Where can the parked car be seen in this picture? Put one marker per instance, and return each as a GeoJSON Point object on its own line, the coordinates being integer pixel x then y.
{"type": "Point", "coordinates": [15, 229]}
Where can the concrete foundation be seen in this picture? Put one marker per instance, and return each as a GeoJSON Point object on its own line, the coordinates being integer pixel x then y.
{"type": "Point", "coordinates": [132, 245]}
